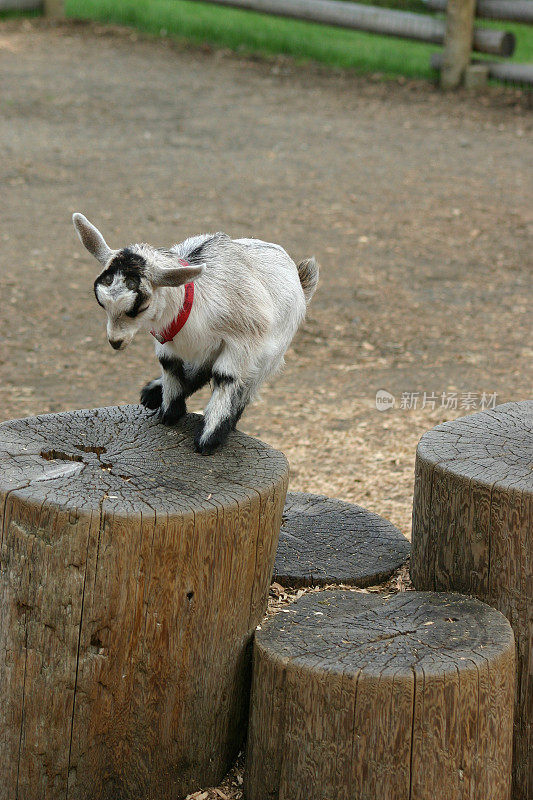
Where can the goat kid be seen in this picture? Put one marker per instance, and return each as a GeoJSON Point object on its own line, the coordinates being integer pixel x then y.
{"type": "Point", "coordinates": [242, 301]}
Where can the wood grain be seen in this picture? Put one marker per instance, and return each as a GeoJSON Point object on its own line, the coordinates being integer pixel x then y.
{"type": "Point", "coordinates": [324, 541]}
{"type": "Point", "coordinates": [404, 697]}
{"type": "Point", "coordinates": [473, 532]}
{"type": "Point", "coordinates": [133, 573]}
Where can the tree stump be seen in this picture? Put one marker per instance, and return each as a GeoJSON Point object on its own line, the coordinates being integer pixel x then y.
{"type": "Point", "coordinates": [133, 574]}
{"type": "Point", "coordinates": [473, 533]}
{"type": "Point", "coordinates": [324, 541]}
{"type": "Point", "coordinates": [374, 697]}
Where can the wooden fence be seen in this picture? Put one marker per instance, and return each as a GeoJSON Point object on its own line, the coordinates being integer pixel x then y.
{"type": "Point", "coordinates": [455, 62]}
{"type": "Point", "coordinates": [456, 32]}
{"type": "Point", "coordinates": [52, 8]}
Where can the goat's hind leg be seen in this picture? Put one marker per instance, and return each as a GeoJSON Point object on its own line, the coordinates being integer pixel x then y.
{"type": "Point", "coordinates": [223, 410]}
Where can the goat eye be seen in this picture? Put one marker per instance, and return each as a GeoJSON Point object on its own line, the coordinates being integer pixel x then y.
{"type": "Point", "coordinates": [107, 280]}
{"type": "Point", "coordinates": [136, 313]}
{"type": "Point", "coordinates": [130, 284]}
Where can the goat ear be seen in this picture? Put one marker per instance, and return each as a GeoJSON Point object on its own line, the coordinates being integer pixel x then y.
{"type": "Point", "coordinates": [176, 276]}
{"type": "Point", "coordinates": [92, 239]}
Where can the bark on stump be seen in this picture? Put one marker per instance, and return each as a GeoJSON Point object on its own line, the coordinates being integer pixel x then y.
{"type": "Point", "coordinates": [133, 573]}
{"type": "Point", "coordinates": [473, 532]}
{"type": "Point", "coordinates": [324, 541]}
{"type": "Point", "coordinates": [405, 697]}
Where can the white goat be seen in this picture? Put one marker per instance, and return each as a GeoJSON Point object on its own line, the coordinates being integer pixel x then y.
{"type": "Point", "coordinates": [249, 299]}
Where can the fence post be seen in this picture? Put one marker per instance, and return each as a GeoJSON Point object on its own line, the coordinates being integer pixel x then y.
{"type": "Point", "coordinates": [54, 9]}
{"type": "Point", "coordinates": [457, 41]}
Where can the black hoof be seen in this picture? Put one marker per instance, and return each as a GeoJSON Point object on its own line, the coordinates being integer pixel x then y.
{"type": "Point", "coordinates": [176, 410]}
{"type": "Point", "coordinates": [206, 448]}
{"type": "Point", "coordinates": [212, 442]}
{"type": "Point", "coordinates": [152, 395]}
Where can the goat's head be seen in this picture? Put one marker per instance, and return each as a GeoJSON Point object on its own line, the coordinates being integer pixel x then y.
{"type": "Point", "coordinates": [127, 287]}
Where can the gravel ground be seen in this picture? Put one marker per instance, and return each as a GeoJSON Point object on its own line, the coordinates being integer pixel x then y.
{"type": "Point", "coordinates": [417, 205]}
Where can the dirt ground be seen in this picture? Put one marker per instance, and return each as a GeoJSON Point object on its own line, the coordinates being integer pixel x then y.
{"type": "Point", "coordinates": [417, 205]}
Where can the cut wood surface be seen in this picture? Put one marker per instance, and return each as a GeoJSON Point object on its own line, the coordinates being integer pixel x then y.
{"type": "Point", "coordinates": [473, 532]}
{"type": "Point", "coordinates": [404, 697]}
{"type": "Point", "coordinates": [133, 573]}
{"type": "Point", "coordinates": [324, 541]}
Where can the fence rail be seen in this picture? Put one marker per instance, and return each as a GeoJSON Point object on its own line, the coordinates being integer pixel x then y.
{"type": "Point", "coordinates": [510, 72]}
{"type": "Point", "coordinates": [457, 32]}
{"type": "Point", "coordinates": [20, 5]}
{"type": "Point", "coordinates": [371, 19]}
{"type": "Point", "coordinates": [509, 10]}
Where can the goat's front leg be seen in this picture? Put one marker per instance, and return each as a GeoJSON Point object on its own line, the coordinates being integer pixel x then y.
{"type": "Point", "coordinates": [173, 394]}
{"type": "Point", "coordinates": [178, 380]}
{"type": "Point", "coordinates": [152, 394]}
{"type": "Point", "coordinates": [225, 406]}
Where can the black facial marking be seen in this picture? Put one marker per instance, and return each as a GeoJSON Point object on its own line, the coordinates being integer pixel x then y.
{"type": "Point", "coordinates": [139, 300]}
{"type": "Point", "coordinates": [95, 287]}
{"type": "Point", "coordinates": [131, 265]}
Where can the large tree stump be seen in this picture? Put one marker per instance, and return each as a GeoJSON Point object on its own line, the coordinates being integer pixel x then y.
{"type": "Point", "coordinates": [133, 574]}
{"type": "Point", "coordinates": [372, 697]}
{"type": "Point", "coordinates": [473, 532]}
{"type": "Point", "coordinates": [325, 541]}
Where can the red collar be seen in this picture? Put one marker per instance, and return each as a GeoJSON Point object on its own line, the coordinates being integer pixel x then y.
{"type": "Point", "coordinates": [168, 333]}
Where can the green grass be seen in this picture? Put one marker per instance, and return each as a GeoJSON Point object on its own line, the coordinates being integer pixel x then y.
{"type": "Point", "coordinates": [247, 31]}
{"type": "Point", "coordinates": [15, 14]}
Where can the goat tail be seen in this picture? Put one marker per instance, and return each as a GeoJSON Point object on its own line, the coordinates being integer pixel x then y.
{"type": "Point", "coordinates": [308, 273]}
